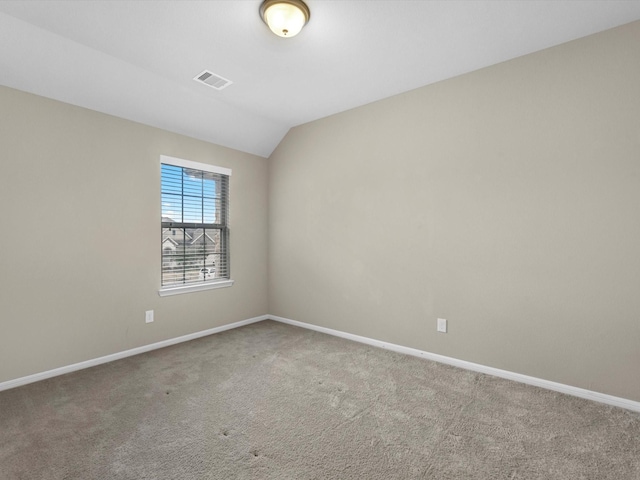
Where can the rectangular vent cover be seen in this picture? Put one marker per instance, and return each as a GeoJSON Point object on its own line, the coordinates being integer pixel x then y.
{"type": "Point", "coordinates": [213, 80]}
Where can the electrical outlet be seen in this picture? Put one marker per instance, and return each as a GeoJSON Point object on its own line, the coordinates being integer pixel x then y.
{"type": "Point", "coordinates": [148, 316]}
{"type": "Point", "coordinates": [442, 325]}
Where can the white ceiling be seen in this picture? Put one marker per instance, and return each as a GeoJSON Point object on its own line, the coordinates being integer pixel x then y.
{"type": "Point", "coordinates": [137, 59]}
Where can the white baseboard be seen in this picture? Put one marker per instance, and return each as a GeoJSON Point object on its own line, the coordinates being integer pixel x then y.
{"type": "Point", "coordinates": [517, 377]}
{"type": "Point", "coordinates": [127, 353]}
{"type": "Point", "coordinates": [496, 372]}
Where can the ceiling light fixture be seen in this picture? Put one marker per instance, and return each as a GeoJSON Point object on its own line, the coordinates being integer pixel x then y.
{"type": "Point", "coordinates": [285, 18]}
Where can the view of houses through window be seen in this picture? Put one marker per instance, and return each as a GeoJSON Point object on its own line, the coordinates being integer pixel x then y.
{"type": "Point", "coordinates": [194, 224]}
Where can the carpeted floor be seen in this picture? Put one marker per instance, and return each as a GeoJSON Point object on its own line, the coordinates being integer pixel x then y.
{"type": "Point", "coordinates": [272, 401]}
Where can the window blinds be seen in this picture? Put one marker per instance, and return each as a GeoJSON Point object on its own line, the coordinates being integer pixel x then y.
{"type": "Point", "coordinates": [195, 222]}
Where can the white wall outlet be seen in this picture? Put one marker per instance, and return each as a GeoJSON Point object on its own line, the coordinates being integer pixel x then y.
{"type": "Point", "coordinates": [442, 325]}
{"type": "Point", "coordinates": [148, 316]}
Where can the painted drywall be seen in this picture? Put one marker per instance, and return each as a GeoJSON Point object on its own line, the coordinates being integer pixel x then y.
{"type": "Point", "coordinates": [80, 256]}
{"type": "Point", "coordinates": [506, 200]}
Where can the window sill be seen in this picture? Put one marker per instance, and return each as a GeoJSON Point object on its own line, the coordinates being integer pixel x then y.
{"type": "Point", "coordinates": [166, 291]}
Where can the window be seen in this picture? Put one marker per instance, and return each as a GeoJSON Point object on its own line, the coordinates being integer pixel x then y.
{"type": "Point", "coordinates": [195, 226]}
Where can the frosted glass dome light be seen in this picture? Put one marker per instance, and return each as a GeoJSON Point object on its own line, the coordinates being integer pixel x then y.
{"type": "Point", "coordinates": [285, 18]}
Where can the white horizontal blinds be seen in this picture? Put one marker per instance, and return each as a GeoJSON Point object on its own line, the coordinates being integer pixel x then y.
{"type": "Point", "coordinates": [195, 233]}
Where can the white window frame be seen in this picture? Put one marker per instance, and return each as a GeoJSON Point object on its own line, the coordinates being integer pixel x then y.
{"type": "Point", "coordinates": [206, 284]}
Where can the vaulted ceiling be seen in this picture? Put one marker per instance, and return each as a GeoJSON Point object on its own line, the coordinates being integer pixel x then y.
{"type": "Point", "coordinates": [137, 59]}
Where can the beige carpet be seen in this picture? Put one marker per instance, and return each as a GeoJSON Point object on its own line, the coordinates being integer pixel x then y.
{"type": "Point", "coordinates": [271, 401]}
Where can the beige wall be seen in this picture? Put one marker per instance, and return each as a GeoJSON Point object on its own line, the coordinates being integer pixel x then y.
{"type": "Point", "coordinates": [506, 200]}
{"type": "Point", "coordinates": [80, 260]}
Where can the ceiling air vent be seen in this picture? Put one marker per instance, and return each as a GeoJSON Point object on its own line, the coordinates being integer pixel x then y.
{"type": "Point", "coordinates": [213, 80]}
